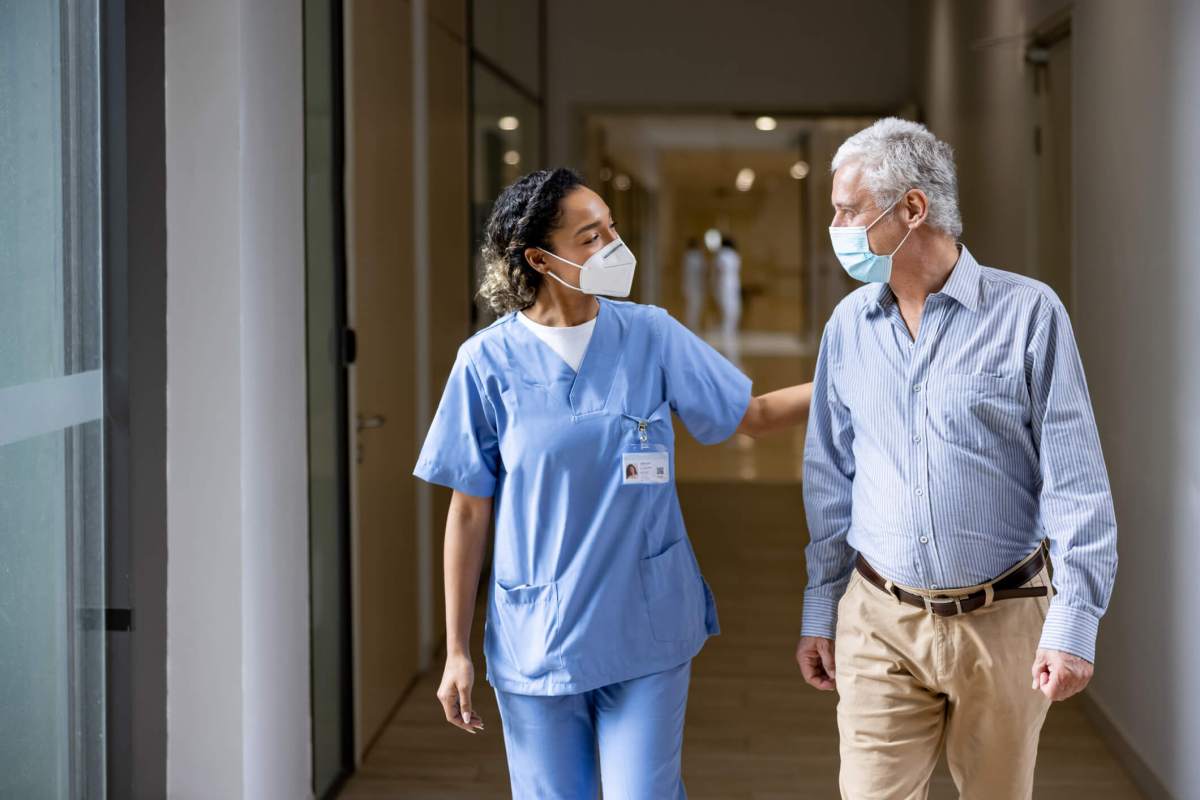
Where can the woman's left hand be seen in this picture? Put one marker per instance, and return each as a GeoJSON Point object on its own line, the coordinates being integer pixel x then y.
{"type": "Point", "coordinates": [458, 680]}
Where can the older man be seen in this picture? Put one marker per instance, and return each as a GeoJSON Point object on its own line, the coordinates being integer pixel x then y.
{"type": "Point", "coordinates": [951, 438]}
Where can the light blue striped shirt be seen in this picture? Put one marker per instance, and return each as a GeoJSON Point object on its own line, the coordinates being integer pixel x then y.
{"type": "Point", "coordinates": [948, 459]}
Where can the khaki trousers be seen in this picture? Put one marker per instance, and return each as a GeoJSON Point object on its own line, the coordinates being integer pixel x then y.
{"type": "Point", "coordinates": [910, 683]}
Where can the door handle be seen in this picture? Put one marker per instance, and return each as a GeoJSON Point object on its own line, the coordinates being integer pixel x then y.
{"type": "Point", "coordinates": [374, 421]}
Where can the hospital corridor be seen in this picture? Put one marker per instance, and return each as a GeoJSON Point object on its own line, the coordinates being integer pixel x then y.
{"type": "Point", "coordinates": [550, 400]}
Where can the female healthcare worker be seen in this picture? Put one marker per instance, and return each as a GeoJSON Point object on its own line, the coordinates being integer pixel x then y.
{"type": "Point", "coordinates": [556, 425]}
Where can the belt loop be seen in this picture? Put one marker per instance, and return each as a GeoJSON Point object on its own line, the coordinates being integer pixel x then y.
{"type": "Point", "coordinates": [1047, 564]}
{"type": "Point", "coordinates": [928, 604]}
{"type": "Point", "coordinates": [891, 589]}
{"type": "Point", "coordinates": [989, 595]}
{"type": "Point", "coordinates": [958, 604]}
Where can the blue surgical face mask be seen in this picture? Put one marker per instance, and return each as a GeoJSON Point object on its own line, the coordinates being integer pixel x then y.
{"type": "Point", "coordinates": [853, 249]}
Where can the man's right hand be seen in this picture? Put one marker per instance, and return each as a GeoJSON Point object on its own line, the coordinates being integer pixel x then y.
{"type": "Point", "coordinates": [455, 693]}
{"type": "Point", "coordinates": [814, 654]}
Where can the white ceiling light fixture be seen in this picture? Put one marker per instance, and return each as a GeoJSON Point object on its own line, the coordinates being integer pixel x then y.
{"type": "Point", "coordinates": [509, 123]}
{"type": "Point", "coordinates": [765, 123]}
{"type": "Point", "coordinates": [512, 158]}
{"type": "Point", "coordinates": [622, 182]}
{"type": "Point", "coordinates": [744, 180]}
{"type": "Point", "coordinates": [799, 170]}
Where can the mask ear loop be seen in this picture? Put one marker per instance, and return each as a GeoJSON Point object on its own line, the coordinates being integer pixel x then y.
{"type": "Point", "coordinates": [560, 280]}
{"type": "Point", "coordinates": [872, 225]}
{"type": "Point", "coordinates": [564, 283]}
{"type": "Point", "coordinates": [890, 209]}
{"type": "Point", "coordinates": [902, 241]}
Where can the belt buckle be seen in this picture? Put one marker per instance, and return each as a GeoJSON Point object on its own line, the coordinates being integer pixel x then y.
{"type": "Point", "coordinates": [929, 601]}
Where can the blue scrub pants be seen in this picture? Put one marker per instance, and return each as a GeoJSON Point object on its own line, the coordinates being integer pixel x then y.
{"type": "Point", "coordinates": [635, 727]}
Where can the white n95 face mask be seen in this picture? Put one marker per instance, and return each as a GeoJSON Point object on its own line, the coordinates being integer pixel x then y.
{"type": "Point", "coordinates": [609, 271]}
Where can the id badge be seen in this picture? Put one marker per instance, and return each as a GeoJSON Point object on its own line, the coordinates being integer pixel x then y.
{"type": "Point", "coordinates": [645, 467]}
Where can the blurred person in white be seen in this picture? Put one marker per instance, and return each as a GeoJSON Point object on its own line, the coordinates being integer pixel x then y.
{"type": "Point", "coordinates": [729, 297]}
{"type": "Point", "coordinates": [695, 284]}
{"type": "Point", "coordinates": [962, 536]}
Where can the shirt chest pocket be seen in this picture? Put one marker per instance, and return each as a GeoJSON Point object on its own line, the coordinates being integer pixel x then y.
{"type": "Point", "coordinates": [980, 412]}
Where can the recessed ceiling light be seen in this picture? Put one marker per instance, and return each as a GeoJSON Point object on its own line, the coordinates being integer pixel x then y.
{"type": "Point", "coordinates": [766, 123]}
{"type": "Point", "coordinates": [622, 182]}
{"type": "Point", "coordinates": [799, 170]}
{"type": "Point", "coordinates": [512, 158]}
{"type": "Point", "coordinates": [508, 123]}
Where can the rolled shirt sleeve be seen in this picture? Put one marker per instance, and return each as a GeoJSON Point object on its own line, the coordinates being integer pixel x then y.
{"type": "Point", "coordinates": [1075, 501]}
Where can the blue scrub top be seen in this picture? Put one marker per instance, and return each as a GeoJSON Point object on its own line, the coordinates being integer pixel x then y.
{"type": "Point", "coordinates": [594, 581]}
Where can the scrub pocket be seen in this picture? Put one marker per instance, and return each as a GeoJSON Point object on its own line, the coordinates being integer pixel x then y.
{"type": "Point", "coordinates": [674, 594]}
{"type": "Point", "coordinates": [527, 620]}
{"type": "Point", "coordinates": [981, 412]}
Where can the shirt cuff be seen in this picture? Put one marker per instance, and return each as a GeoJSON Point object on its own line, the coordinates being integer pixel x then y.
{"type": "Point", "coordinates": [820, 617]}
{"type": "Point", "coordinates": [1070, 630]}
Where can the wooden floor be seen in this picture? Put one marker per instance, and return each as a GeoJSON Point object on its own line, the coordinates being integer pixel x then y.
{"type": "Point", "coordinates": [755, 731]}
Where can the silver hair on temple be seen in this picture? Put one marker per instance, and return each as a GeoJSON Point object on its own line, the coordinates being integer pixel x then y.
{"type": "Point", "coordinates": [897, 155]}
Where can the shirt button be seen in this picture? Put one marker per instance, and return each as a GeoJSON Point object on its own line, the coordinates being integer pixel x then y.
{"type": "Point", "coordinates": [920, 491]}
{"type": "Point", "coordinates": [917, 438]}
{"type": "Point", "coordinates": [917, 388]}
{"type": "Point", "coordinates": [924, 540]}
{"type": "Point", "coordinates": [933, 586]}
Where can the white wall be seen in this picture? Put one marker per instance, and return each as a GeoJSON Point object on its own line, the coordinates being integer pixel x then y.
{"type": "Point", "coordinates": [237, 596]}
{"type": "Point", "coordinates": [275, 632]}
{"type": "Point", "coordinates": [204, 580]}
{"type": "Point", "coordinates": [700, 55]}
{"type": "Point", "coordinates": [1137, 195]}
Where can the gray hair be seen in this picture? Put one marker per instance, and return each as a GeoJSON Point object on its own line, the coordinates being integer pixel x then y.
{"type": "Point", "coordinates": [898, 155]}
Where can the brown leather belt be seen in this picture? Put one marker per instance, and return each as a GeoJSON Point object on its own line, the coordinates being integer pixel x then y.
{"type": "Point", "coordinates": [1006, 588]}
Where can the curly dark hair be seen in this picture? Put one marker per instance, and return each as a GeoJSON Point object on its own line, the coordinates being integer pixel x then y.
{"type": "Point", "coordinates": [523, 216]}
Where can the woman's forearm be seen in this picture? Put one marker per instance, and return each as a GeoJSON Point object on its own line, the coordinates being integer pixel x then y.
{"type": "Point", "coordinates": [466, 536]}
{"type": "Point", "coordinates": [777, 410]}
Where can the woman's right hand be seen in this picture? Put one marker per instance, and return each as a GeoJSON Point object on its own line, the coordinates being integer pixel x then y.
{"type": "Point", "coordinates": [455, 693]}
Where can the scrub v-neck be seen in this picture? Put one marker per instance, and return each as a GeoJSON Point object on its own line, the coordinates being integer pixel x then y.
{"type": "Point", "coordinates": [589, 386]}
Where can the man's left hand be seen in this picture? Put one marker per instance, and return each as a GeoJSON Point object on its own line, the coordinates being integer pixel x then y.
{"type": "Point", "coordinates": [1059, 675]}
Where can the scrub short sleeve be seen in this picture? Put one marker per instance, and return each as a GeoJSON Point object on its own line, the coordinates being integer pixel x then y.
{"type": "Point", "coordinates": [461, 450]}
{"type": "Point", "coordinates": [708, 393]}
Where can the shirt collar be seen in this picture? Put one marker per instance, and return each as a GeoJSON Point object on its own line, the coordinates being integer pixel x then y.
{"type": "Point", "coordinates": [963, 284]}
{"type": "Point", "coordinates": [964, 281]}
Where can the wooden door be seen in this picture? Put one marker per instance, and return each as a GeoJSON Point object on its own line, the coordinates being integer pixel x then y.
{"type": "Point", "coordinates": [379, 192]}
